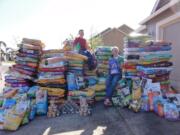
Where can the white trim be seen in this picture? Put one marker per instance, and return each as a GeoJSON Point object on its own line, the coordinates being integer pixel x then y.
{"type": "Point", "coordinates": [155, 6]}
{"type": "Point", "coordinates": [141, 28]}
{"type": "Point", "coordinates": [160, 25]}
{"type": "Point", "coordinates": [164, 8]}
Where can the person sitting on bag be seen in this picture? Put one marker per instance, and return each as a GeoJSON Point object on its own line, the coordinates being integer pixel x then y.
{"type": "Point", "coordinates": [82, 47]}
{"type": "Point", "coordinates": [115, 74]}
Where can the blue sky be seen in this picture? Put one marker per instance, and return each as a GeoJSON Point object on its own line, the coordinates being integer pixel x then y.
{"type": "Point", "coordinates": [53, 21]}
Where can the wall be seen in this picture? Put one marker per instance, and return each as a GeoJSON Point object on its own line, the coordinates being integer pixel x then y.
{"type": "Point", "coordinates": [114, 38]}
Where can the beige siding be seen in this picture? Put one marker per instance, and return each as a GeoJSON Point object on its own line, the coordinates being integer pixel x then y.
{"type": "Point", "coordinates": [171, 33]}
{"type": "Point", "coordinates": [151, 25]}
{"type": "Point", "coordinates": [114, 38]}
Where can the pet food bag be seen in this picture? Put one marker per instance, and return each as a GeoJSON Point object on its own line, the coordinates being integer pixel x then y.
{"type": "Point", "coordinates": [41, 102]}
{"type": "Point", "coordinates": [171, 111]}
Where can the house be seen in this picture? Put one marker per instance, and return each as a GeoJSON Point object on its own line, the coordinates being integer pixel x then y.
{"type": "Point", "coordinates": [164, 24]}
{"type": "Point", "coordinates": [114, 36]}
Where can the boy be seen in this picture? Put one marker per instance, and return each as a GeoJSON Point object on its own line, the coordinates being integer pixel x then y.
{"type": "Point", "coordinates": [115, 74]}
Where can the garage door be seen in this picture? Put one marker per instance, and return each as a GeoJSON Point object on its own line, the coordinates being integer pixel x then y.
{"type": "Point", "coordinates": [172, 34]}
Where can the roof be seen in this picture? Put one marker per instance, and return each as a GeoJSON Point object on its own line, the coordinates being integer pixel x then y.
{"type": "Point", "coordinates": [104, 31]}
{"type": "Point", "coordinates": [159, 10]}
{"type": "Point", "coordinates": [159, 4]}
{"type": "Point", "coordinates": [126, 29]}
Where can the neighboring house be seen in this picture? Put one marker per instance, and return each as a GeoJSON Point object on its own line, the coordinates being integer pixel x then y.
{"type": "Point", "coordinates": [164, 24]}
{"type": "Point", "coordinates": [114, 36]}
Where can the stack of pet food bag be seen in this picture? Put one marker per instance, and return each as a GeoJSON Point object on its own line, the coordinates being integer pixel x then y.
{"type": "Point", "coordinates": [132, 94]}
{"type": "Point", "coordinates": [51, 79]}
{"type": "Point", "coordinates": [129, 72]}
{"type": "Point", "coordinates": [154, 68]}
{"type": "Point", "coordinates": [75, 76]}
{"type": "Point", "coordinates": [91, 79]}
{"type": "Point", "coordinates": [17, 106]}
{"type": "Point", "coordinates": [90, 71]}
{"type": "Point", "coordinates": [90, 76]}
{"type": "Point", "coordinates": [103, 54]}
{"type": "Point", "coordinates": [146, 84]}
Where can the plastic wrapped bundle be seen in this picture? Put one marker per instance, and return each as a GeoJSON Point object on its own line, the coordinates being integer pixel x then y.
{"type": "Point", "coordinates": [103, 54]}
{"type": "Point", "coordinates": [155, 63]}
{"type": "Point", "coordinates": [41, 102]}
{"type": "Point", "coordinates": [28, 58]}
{"type": "Point", "coordinates": [23, 73]}
{"type": "Point", "coordinates": [100, 89]}
{"type": "Point", "coordinates": [132, 46]}
{"type": "Point", "coordinates": [55, 95]}
{"type": "Point", "coordinates": [75, 63]}
{"type": "Point", "coordinates": [75, 74]}
{"type": "Point", "coordinates": [17, 105]}
{"type": "Point", "coordinates": [52, 53]}
{"type": "Point", "coordinates": [88, 93]}
{"type": "Point", "coordinates": [52, 79]}
{"type": "Point", "coordinates": [52, 69]}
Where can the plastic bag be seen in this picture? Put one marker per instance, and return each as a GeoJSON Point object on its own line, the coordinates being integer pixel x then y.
{"type": "Point", "coordinates": [10, 93]}
{"type": "Point", "coordinates": [71, 79]}
{"type": "Point", "coordinates": [144, 103]}
{"type": "Point", "coordinates": [126, 100]}
{"type": "Point", "coordinates": [41, 102]}
{"type": "Point", "coordinates": [13, 117]}
{"type": "Point", "coordinates": [171, 111]}
{"type": "Point", "coordinates": [160, 109]}
{"type": "Point", "coordinates": [26, 116]}
{"type": "Point", "coordinates": [136, 94]}
{"type": "Point", "coordinates": [12, 121]}
{"type": "Point", "coordinates": [151, 96]}
{"type": "Point", "coordinates": [1, 100]}
{"type": "Point", "coordinates": [91, 81]}
{"type": "Point", "coordinates": [41, 108]}
{"type": "Point", "coordinates": [32, 91]}
{"type": "Point", "coordinates": [98, 87]}
{"type": "Point", "coordinates": [32, 110]}
{"type": "Point", "coordinates": [121, 84]}
{"type": "Point", "coordinates": [8, 103]}
{"type": "Point", "coordinates": [136, 89]}
{"type": "Point", "coordinates": [23, 90]}
{"type": "Point", "coordinates": [135, 105]}
{"type": "Point", "coordinates": [1, 119]}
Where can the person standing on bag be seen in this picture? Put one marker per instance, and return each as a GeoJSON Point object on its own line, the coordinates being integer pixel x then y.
{"type": "Point", "coordinates": [80, 44]}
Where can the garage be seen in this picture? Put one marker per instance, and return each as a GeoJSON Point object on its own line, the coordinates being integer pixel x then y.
{"type": "Point", "coordinates": [172, 34]}
{"type": "Point", "coordinates": [169, 30]}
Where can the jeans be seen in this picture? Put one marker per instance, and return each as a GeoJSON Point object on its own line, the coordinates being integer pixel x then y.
{"type": "Point", "coordinates": [111, 83]}
{"type": "Point", "coordinates": [90, 60]}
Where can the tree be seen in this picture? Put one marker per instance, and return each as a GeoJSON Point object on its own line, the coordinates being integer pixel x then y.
{"type": "Point", "coordinates": [95, 41]}
{"type": "Point", "coordinates": [10, 53]}
{"type": "Point", "coordinates": [2, 52]}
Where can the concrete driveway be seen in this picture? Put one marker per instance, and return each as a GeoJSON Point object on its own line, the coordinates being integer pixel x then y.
{"type": "Point", "coordinates": [3, 68]}
{"type": "Point", "coordinates": [104, 121]}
